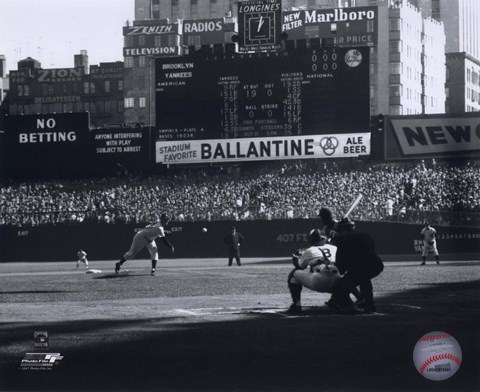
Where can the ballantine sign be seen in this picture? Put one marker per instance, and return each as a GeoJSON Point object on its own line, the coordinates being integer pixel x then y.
{"type": "Point", "coordinates": [230, 150]}
{"type": "Point", "coordinates": [434, 135]}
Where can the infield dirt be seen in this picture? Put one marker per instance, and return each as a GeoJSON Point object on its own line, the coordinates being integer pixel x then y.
{"type": "Point", "coordinates": [199, 325]}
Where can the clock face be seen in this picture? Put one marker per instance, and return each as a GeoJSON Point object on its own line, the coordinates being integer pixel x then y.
{"type": "Point", "coordinates": [259, 25]}
{"type": "Point", "coordinates": [260, 28]}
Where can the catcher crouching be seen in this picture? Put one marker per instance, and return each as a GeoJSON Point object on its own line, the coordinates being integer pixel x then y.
{"type": "Point", "coordinates": [314, 269]}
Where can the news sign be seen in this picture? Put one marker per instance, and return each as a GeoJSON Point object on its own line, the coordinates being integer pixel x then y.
{"type": "Point", "coordinates": [47, 142]}
{"type": "Point", "coordinates": [354, 26]}
{"type": "Point", "coordinates": [434, 136]}
{"type": "Point", "coordinates": [302, 92]}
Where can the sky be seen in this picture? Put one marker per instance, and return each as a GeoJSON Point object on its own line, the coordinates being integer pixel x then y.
{"type": "Point", "coordinates": [53, 31]}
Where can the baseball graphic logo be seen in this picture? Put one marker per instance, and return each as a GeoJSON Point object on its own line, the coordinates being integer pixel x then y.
{"type": "Point", "coordinates": [353, 58]}
{"type": "Point", "coordinates": [437, 356]}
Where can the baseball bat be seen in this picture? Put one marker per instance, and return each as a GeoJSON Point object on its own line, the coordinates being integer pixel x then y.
{"type": "Point", "coordinates": [353, 205]}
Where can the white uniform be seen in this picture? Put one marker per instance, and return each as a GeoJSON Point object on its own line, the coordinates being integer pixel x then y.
{"type": "Point", "coordinates": [146, 238]}
{"type": "Point", "coordinates": [312, 254]}
{"type": "Point", "coordinates": [82, 258]}
{"type": "Point", "coordinates": [316, 273]}
{"type": "Point", "coordinates": [429, 241]}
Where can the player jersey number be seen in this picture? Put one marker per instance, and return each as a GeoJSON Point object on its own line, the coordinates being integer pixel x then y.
{"type": "Point", "coordinates": [326, 252]}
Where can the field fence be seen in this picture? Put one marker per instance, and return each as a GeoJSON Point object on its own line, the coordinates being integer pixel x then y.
{"type": "Point", "coordinates": [238, 213]}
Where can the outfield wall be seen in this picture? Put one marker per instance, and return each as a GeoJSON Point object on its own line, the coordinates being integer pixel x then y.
{"type": "Point", "coordinates": [276, 238]}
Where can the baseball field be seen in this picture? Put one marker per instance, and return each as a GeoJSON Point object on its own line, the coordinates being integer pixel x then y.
{"type": "Point", "coordinates": [199, 325]}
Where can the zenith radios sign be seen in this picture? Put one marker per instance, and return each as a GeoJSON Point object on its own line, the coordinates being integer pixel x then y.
{"type": "Point", "coordinates": [259, 25]}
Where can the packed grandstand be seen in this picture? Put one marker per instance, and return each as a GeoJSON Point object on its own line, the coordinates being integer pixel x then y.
{"type": "Point", "coordinates": [441, 192]}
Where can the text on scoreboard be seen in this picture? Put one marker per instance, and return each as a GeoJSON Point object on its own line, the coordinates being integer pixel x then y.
{"type": "Point", "coordinates": [305, 91]}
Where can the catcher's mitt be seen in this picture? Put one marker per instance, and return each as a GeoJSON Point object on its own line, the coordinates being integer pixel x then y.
{"type": "Point", "coordinates": [431, 242]}
{"type": "Point", "coordinates": [295, 256]}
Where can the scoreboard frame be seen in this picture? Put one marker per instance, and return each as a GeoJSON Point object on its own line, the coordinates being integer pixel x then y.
{"type": "Point", "coordinates": [302, 91]}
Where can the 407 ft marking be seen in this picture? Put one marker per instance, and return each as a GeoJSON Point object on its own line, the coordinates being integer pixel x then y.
{"type": "Point", "coordinates": [292, 237]}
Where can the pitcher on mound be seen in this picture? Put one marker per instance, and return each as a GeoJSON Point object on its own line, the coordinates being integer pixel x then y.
{"type": "Point", "coordinates": [145, 238]}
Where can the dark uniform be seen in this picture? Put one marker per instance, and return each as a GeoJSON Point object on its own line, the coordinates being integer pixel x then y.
{"type": "Point", "coordinates": [233, 241]}
{"type": "Point", "coordinates": [357, 259]}
{"type": "Point", "coordinates": [328, 223]}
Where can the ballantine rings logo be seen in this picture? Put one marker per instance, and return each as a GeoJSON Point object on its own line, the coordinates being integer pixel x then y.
{"type": "Point", "coordinates": [353, 58]}
{"type": "Point", "coordinates": [329, 145]}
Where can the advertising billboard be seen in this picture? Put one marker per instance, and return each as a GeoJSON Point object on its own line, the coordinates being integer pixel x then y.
{"type": "Point", "coordinates": [432, 136]}
{"type": "Point", "coordinates": [203, 31]}
{"type": "Point", "coordinates": [145, 39]}
{"type": "Point", "coordinates": [259, 25]}
{"type": "Point", "coordinates": [264, 149]}
{"type": "Point", "coordinates": [354, 26]}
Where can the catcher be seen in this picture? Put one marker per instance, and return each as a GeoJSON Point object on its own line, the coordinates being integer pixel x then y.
{"type": "Point", "coordinates": [429, 237]}
{"type": "Point", "coordinates": [314, 269]}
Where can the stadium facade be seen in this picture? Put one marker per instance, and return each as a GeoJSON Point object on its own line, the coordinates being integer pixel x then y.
{"type": "Point", "coordinates": [408, 73]}
{"type": "Point", "coordinates": [97, 89]}
{"type": "Point", "coordinates": [460, 18]}
{"type": "Point", "coordinates": [404, 40]}
{"type": "Point", "coordinates": [407, 65]}
{"type": "Point", "coordinates": [4, 85]}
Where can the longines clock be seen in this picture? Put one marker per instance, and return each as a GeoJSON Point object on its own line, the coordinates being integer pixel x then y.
{"type": "Point", "coordinates": [259, 25]}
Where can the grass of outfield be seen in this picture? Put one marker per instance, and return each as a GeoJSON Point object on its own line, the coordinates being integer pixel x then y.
{"type": "Point", "coordinates": [199, 325]}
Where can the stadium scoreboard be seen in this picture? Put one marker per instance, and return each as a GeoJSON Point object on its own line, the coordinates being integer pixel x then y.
{"type": "Point", "coordinates": [303, 91]}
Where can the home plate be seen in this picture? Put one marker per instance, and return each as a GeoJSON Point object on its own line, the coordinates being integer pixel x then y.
{"type": "Point", "coordinates": [93, 271]}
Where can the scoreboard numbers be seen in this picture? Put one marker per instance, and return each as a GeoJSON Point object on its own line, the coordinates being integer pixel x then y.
{"type": "Point", "coordinates": [305, 91]}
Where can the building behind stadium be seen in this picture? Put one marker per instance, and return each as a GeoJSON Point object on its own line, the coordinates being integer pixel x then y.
{"type": "Point", "coordinates": [424, 58]}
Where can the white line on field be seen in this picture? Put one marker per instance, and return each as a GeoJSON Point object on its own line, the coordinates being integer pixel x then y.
{"type": "Point", "coordinates": [219, 311]}
{"type": "Point", "coordinates": [187, 312]}
{"type": "Point", "coordinates": [407, 306]}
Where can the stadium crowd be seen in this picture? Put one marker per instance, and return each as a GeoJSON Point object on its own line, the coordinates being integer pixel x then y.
{"type": "Point", "coordinates": [268, 191]}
